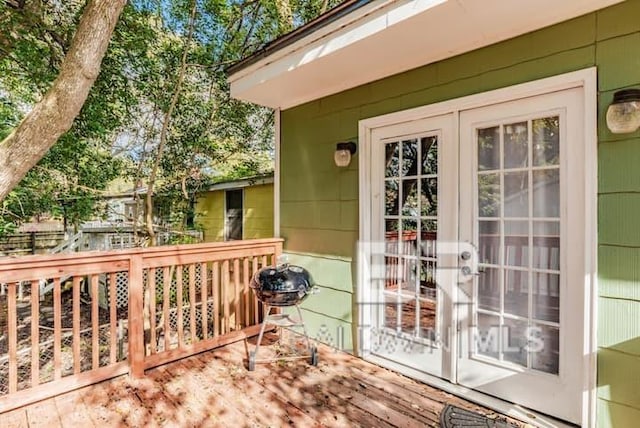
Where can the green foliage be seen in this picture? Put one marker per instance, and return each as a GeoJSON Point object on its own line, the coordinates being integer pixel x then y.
{"type": "Point", "coordinates": [116, 134]}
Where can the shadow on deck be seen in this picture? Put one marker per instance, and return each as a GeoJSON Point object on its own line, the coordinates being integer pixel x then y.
{"type": "Point", "coordinates": [215, 389]}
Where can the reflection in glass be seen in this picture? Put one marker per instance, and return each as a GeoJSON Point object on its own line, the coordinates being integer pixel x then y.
{"type": "Point", "coordinates": [516, 145]}
{"type": "Point", "coordinates": [489, 195]}
{"type": "Point", "coordinates": [392, 307]}
{"type": "Point", "coordinates": [546, 296]}
{"type": "Point", "coordinates": [488, 336]}
{"type": "Point", "coordinates": [516, 341]}
{"type": "Point", "coordinates": [428, 317]}
{"type": "Point", "coordinates": [489, 242]}
{"type": "Point", "coordinates": [516, 243]}
{"type": "Point", "coordinates": [429, 155]}
{"type": "Point", "coordinates": [408, 317]}
{"type": "Point", "coordinates": [428, 279]}
{"type": "Point", "coordinates": [547, 358]}
{"type": "Point", "coordinates": [391, 229]}
{"type": "Point", "coordinates": [392, 273]}
{"type": "Point", "coordinates": [428, 237]}
{"type": "Point", "coordinates": [546, 141]}
{"type": "Point", "coordinates": [546, 193]}
{"type": "Point", "coordinates": [409, 237]}
{"type": "Point", "coordinates": [516, 292]}
{"type": "Point", "coordinates": [429, 201]}
{"type": "Point", "coordinates": [516, 194]}
{"type": "Point", "coordinates": [391, 197]}
{"type": "Point", "coordinates": [546, 245]}
{"type": "Point", "coordinates": [410, 197]}
{"type": "Point", "coordinates": [489, 289]}
{"type": "Point", "coordinates": [409, 276]}
{"type": "Point", "coordinates": [392, 159]}
{"type": "Point", "coordinates": [410, 158]}
{"type": "Point", "coordinates": [489, 148]}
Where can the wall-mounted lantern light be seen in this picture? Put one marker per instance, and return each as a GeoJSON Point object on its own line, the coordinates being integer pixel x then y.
{"type": "Point", "coordinates": [623, 115]}
{"type": "Point", "coordinates": [343, 153]}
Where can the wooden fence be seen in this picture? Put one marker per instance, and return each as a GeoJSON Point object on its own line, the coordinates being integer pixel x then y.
{"type": "Point", "coordinates": [163, 304]}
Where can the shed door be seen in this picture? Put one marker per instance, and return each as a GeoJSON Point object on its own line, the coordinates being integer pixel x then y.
{"type": "Point", "coordinates": [233, 214]}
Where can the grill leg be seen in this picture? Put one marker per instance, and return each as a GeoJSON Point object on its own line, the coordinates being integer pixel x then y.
{"type": "Point", "coordinates": [304, 328]}
{"type": "Point", "coordinates": [265, 321]}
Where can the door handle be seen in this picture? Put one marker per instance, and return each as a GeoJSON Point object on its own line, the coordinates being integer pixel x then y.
{"type": "Point", "coordinates": [466, 271]}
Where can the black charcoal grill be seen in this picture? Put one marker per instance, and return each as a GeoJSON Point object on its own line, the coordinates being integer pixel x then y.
{"type": "Point", "coordinates": [282, 286]}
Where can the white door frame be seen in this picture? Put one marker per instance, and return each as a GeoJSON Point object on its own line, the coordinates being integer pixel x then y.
{"type": "Point", "coordinates": [585, 79]}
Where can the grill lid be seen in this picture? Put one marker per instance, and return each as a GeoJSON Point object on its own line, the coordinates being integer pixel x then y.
{"type": "Point", "coordinates": [282, 285]}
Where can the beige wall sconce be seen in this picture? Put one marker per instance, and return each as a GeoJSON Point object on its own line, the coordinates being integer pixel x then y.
{"type": "Point", "coordinates": [623, 115]}
{"type": "Point", "coordinates": [343, 153]}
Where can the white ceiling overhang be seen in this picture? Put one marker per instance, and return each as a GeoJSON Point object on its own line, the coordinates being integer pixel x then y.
{"type": "Point", "coordinates": [387, 37]}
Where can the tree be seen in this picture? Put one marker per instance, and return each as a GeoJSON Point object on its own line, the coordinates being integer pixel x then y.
{"type": "Point", "coordinates": [54, 114]}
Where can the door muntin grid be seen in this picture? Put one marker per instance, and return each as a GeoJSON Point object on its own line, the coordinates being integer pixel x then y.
{"type": "Point", "coordinates": [410, 295]}
{"type": "Point", "coordinates": [517, 228]}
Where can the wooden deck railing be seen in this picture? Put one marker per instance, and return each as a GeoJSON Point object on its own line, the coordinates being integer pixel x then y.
{"type": "Point", "coordinates": [120, 312]}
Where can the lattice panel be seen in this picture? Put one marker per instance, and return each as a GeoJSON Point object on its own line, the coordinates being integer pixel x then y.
{"type": "Point", "coordinates": [122, 290]}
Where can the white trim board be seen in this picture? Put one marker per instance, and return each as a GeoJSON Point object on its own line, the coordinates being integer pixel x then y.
{"type": "Point", "coordinates": [379, 40]}
{"type": "Point", "coordinates": [276, 173]}
{"type": "Point", "coordinates": [585, 79]}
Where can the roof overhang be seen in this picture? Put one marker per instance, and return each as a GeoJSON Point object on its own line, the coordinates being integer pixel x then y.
{"type": "Point", "coordinates": [242, 183]}
{"type": "Point", "coordinates": [385, 37]}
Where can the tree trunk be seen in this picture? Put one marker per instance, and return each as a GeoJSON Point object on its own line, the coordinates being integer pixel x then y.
{"type": "Point", "coordinates": [165, 128]}
{"type": "Point", "coordinates": [54, 114]}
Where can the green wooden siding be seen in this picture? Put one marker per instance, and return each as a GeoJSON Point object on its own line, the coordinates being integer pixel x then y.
{"type": "Point", "coordinates": [210, 215]}
{"type": "Point", "coordinates": [319, 212]}
{"type": "Point", "coordinates": [257, 213]}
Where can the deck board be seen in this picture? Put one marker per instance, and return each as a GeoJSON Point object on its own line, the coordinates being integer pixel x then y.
{"type": "Point", "coordinates": [214, 389]}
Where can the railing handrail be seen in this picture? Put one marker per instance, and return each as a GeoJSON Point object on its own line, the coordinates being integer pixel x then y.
{"type": "Point", "coordinates": [83, 258]}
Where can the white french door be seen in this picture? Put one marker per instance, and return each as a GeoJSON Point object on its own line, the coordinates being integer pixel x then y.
{"type": "Point", "coordinates": [522, 205]}
{"type": "Point", "coordinates": [412, 214]}
{"type": "Point", "coordinates": [479, 275]}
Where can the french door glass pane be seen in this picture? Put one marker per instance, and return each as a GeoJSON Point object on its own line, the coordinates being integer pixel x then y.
{"type": "Point", "coordinates": [515, 341]}
{"type": "Point", "coordinates": [546, 141]}
{"type": "Point", "coordinates": [391, 197]}
{"type": "Point", "coordinates": [489, 290]}
{"type": "Point", "coordinates": [489, 148]}
{"type": "Point", "coordinates": [516, 153]}
{"type": "Point", "coordinates": [429, 192]}
{"type": "Point", "coordinates": [392, 160]}
{"type": "Point", "coordinates": [429, 156]}
{"type": "Point", "coordinates": [516, 194]}
{"type": "Point", "coordinates": [489, 198]}
{"type": "Point", "coordinates": [410, 158]}
{"type": "Point", "coordinates": [546, 193]}
{"type": "Point", "coordinates": [546, 349]}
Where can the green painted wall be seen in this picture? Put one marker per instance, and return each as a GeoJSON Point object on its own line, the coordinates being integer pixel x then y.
{"type": "Point", "coordinates": [210, 215]}
{"type": "Point", "coordinates": [319, 207]}
{"type": "Point", "coordinates": [257, 213]}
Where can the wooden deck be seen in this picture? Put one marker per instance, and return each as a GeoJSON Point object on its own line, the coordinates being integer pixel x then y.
{"type": "Point", "coordinates": [215, 389]}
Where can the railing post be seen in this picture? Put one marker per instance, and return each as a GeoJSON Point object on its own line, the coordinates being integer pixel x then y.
{"type": "Point", "coordinates": [136, 327]}
{"type": "Point", "coordinates": [277, 252]}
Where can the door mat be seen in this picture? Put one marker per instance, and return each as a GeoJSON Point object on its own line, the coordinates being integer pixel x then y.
{"type": "Point", "coordinates": [456, 417]}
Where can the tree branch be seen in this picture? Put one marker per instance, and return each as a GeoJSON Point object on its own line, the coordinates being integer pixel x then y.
{"type": "Point", "coordinates": [54, 115]}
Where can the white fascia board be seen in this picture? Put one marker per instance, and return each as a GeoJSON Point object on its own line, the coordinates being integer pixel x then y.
{"type": "Point", "coordinates": [389, 37]}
